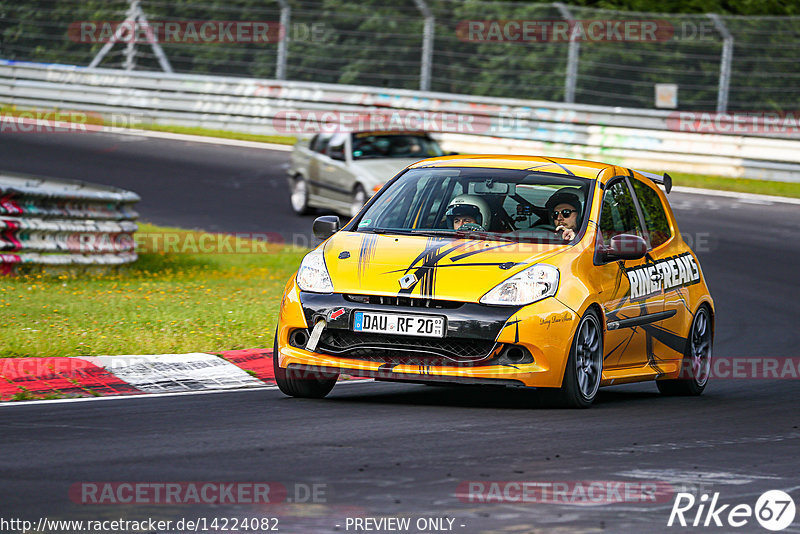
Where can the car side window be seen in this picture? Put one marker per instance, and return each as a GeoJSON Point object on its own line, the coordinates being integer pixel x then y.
{"type": "Point", "coordinates": [320, 142]}
{"type": "Point", "coordinates": [618, 215]}
{"type": "Point", "coordinates": [336, 147]}
{"type": "Point", "coordinates": [655, 218]}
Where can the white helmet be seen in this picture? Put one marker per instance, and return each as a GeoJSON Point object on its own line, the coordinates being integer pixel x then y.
{"type": "Point", "coordinates": [471, 206]}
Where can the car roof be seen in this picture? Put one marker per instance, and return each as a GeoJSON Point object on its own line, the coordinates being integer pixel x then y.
{"type": "Point", "coordinates": [364, 133]}
{"type": "Point", "coordinates": [572, 167]}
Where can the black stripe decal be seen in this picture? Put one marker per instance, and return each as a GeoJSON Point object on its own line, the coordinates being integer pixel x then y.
{"type": "Point", "coordinates": [641, 320]}
{"type": "Point", "coordinates": [485, 249]}
{"type": "Point", "coordinates": [670, 339]}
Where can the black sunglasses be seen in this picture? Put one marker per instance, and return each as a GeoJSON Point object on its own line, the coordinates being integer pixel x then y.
{"type": "Point", "coordinates": [564, 213]}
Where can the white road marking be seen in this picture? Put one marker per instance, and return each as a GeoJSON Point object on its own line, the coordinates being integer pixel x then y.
{"type": "Point", "coordinates": [165, 373]}
{"type": "Point", "coordinates": [652, 448]}
{"type": "Point", "coordinates": [676, 476]}
{"type": "Point", "coordinates": [199, 139]}
{"type": "Point", "coordinates": [10, 404]}
{"type": "Point", "coordinates": [744, 197]}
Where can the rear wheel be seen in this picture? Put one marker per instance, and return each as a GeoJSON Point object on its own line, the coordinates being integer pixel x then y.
{"type": "Point", "coordinates": [305, 384]}
{"type": "Point", "coordinates": [299, 196]}
{"type": "Point", "coordinates": [584, 366]}
{"type": "Point", "coordinates": [696, 365]}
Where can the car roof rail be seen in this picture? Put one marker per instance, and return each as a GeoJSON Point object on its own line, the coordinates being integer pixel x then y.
{"type": "Point", "coordinates": [665, 180]}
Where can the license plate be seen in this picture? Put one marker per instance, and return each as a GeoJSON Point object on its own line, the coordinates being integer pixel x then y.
{"type": "Point", "coordinates": [395, 323]}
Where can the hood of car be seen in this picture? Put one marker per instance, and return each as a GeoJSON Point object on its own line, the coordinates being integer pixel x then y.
{"type": "Point", "coordinates": [381, 170]}
{"type": "Point", "coordinates": [425, 267]}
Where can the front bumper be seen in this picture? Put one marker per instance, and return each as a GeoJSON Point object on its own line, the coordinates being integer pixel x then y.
{"type": "Point", "coordinates": [473, 350]}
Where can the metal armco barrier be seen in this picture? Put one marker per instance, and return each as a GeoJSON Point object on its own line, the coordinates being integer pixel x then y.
{"type": "Point", "coordinates": [639, 138]}
{"type": "Point", "coordinates": [63, 222]}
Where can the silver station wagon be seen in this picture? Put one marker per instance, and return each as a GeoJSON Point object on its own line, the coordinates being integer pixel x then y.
{"type": "Point", "coordinates": [341, 171]}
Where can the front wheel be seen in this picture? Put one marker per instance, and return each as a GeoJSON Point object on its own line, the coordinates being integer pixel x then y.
{"type": "Point", "coordinates": [584, 368]}
{"type": "Point", "coordinates": [696, 365]}
{"type": "Point", "coordinates": [304, 384]}
{"type": "Point", "coordinates": [299, 196]}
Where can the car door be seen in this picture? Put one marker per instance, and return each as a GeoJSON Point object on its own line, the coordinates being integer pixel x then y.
{"type": "Point", "coordinates": [630, 289]}
{"type": "Point", "coordinates": [335, 175]}
{"type": "Point", "coordinates": [677, 268]}
{"type": "Point", "coordinates": [318, 148]}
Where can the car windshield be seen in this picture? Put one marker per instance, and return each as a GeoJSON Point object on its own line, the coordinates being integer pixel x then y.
{"type": "Point", "coordinates": [370, 145]}
{"type": "Point", "coordinates": [496, 204]}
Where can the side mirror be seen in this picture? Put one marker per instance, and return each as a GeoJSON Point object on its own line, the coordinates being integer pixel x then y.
{"type": "Point", "coordinates": [325, 226]}
{"type": "Point", "coordinates": [624, 247]}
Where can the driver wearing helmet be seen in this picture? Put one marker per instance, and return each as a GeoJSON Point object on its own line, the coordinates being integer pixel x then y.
{"type": "Point", "coordinates": [469, 213]}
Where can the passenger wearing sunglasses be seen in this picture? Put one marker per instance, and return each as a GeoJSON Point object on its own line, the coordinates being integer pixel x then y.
{"type": "Point", "coordinates": [565, 210]}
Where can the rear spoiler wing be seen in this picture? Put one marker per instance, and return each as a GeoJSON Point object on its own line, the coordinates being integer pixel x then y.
{"type": "Point", "coordinates": [665, 180]}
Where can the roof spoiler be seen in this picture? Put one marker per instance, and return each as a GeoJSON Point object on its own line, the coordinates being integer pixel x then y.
{"type": "Point", "coordinates": [665, 180]}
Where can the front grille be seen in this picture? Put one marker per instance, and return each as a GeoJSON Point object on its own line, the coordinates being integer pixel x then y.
{"type": "Point", "coordinates": [405, 301]}
{"type": "Point", "coordinates": [404, 349]}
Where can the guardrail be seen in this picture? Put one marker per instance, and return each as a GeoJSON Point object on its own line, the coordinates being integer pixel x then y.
{"type": "Point", "coordinates": [47, 222]}
{"type": "Point", "coordinates": [639, 138]}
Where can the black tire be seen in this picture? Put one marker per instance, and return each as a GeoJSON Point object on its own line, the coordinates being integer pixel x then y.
{"type": "Point", "coordinates": [584, 368]}
{"type": "Point", "coordinates": [308, 385]}
{"type": "Point", "coordinates": [358, 201]}
{"type": "Point", "coordinates": [696, 364]}
{"type": "Point", "coordinates": [299, 196]}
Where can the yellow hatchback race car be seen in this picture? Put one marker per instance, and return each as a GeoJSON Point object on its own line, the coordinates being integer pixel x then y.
{"type": "Point", "coordinates": [558, 274]}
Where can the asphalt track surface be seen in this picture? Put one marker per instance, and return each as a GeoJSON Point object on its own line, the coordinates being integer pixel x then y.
{"type": "Point", "coordinates": [383, 449]}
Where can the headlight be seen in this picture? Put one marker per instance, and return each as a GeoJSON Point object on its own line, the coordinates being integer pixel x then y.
{"type": "Point", "coordinates": [534, 283]}
{"type": "Point", "coordinates": [313, 274]}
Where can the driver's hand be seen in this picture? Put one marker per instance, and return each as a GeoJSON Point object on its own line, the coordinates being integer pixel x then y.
{"type": "Point", "coordinates": [568, 234]}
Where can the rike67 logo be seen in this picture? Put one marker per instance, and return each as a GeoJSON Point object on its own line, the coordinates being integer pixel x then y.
{"type": "Point", "coordinates": [774, 510]}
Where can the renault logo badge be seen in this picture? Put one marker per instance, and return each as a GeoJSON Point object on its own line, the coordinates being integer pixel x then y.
{"type": "Point", "coordinates": [408, 281]}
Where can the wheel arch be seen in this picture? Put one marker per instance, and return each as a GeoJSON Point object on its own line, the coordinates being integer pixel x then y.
{"type": "Point", "coordinates": [708, 303]}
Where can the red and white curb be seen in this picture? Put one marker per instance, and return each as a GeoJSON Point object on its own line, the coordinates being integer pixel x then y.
{"type": "Point", "coordinates": [95, 376]}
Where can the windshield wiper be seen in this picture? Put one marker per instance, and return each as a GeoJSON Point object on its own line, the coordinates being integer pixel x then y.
{"type": "Point", "coordinates": [433, 232]}
{"type": "Point", "coordinates": [409, 231]}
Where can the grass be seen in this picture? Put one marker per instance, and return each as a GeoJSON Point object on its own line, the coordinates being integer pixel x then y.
{"type": "Point", "coordinates": [163, 303]}
{"type": "Point", "coordinates": [740, 185]}
{"type": "Point", "coordinates": [277, 139]}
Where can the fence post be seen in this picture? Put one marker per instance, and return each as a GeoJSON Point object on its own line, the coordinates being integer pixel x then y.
{"type": "Point", "coordinates": [134, 17]}
{"type": "Point", "coordinates": [427, 46]}
{"type": "Point", "coordinates": [130, 46]}
{"type": "Point", "coordinates": [283, 41]}
{"type": "Point", "coordinates": [571, 78]}
{"type": "Point", "coordinates": [725, 62]}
